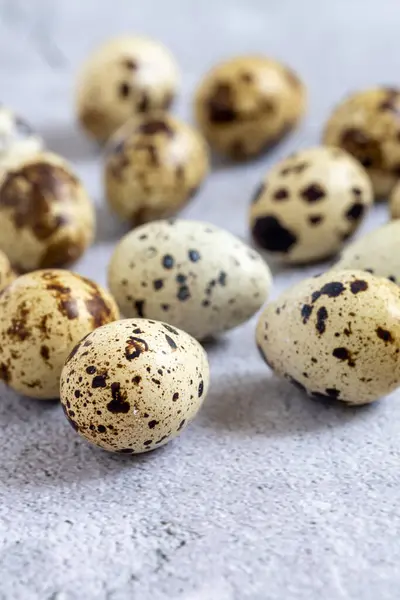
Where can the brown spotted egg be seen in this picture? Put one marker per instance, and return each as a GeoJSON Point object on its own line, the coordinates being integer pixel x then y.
{"type": "Point", "coordinates": [191, 274]}
{"type": "Point", "coordinates": [46, 216]}
{"type": "Point", "coordinates": [336, 336]}
{"type": "Point", "coordinates": [245, 105]}
{"type": "Point", "coordinates": [17, 138]}
{"type": "Point", "coordinates": [125, 77]}
{"type": "Point", "coordinates": [309, 204]}
{"type": "Point", "coordinates": [154, 166]}
{"type": "Point", "coordinates": [133, 385]}
{"type": "Point", "coordinates": [43, 315]}
{"type": "Point", "coordinates": [376, 252]}
{"type": "Point", "coordinates": [7, 275]}
{"type": "Point", "coordinates": [367, 125]}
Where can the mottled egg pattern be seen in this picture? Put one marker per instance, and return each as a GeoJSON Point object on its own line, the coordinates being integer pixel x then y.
{"type": "Point", "coordinates": [42, 317]}
{"type": "Point", "coordinates": [336, 336]}
{"type": "Point", "coordinates": [17, 138]}
{"type": "Point", "coordinates": [45, 207]}
{"type": "Point", "coordinates": [247, 104]}
{"type": "Point", "coordinates": [192, 274]}
{"type": "Point", "coordinates": [309, 204]}
{"type": "Point", "coordinates": [394, 202]}
{"type": "Point", "coordinates": [377, 252]}
{"type": "Point", "coordinates": [7, 275]}
{"type": "Point", "coordinates": [155, 165]}
{"type": "Point", "coordinates": [132, 386]}
{"type": "Point", "coordinates": [367, 124]}
{"type": "Point", "coordinates": [127, 76]}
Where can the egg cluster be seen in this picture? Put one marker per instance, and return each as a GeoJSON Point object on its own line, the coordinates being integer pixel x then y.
{"type": "Point", "coordinates": [130, 385]}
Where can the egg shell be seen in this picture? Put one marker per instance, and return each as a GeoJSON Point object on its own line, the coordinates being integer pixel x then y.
{"type": "Point", "coordinates": [336, 336]}
{"type": "Point", "coordinates": [309, 204]}
{"type": "Point", "coordinates": [366, 124]}
{"type": "Point", "coordinates": [133, 385]}
{"type": "Point", "coordinates": [394, 202]}
{"type": "Point", "coordinates": [42, 317]}
{"type": "Point", "coordinates": [154, 166]}
{"type": "Point", "coordinates": [247, 104]}
{"type": "Point", "coordinates": [192, 274]}
{"type": "Point", "coordinates": [124, 77]}
{"type": "Point", "coordinates": [45, 207]}
{"type": "Point", "coordinates": [376, 252]}
{"type": "Point", "coordinates": [17, 137]}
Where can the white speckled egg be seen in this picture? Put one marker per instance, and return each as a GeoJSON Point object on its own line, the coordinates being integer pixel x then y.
{"type": "Point", "coordinates": [336, 336]}
{"type": "Point", "coordinates": [133, 385]}
{"type": "Point", "coordinates": [376, 252]}
{"type": "Point", "coordinates": [43, 315]}
{"type": "Point", "coordinates": [309, 204]}
{"type": "Point", "coordinates": [17, 137]}
{"type": "Point", "coordinates": [191, 274]}
{"type": "Point", "coordinates": [7, 275]}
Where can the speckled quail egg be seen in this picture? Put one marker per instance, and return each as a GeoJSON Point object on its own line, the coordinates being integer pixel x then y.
{"type": "Point", "coordinates": [394, 203]}
{"type": "Point", "coordinates": [367, 124]}
{"type": "Point", "coordinates": [17, 138]}
{"type": "Point", "coordinates": [133, 385]}
{"type": "Point", "coordinates": [7, 275]}
{"type": "Point", "coordinates": [155, 165]}
{"type": "Point", "coordinates": [43, 315]}
{"type": "Point", "coordinates": [126, 76]}
{"type": "Point", "coordinates": [192, 274]}
{"type": "Point", "coordinates": [336, 336]}
{"type": "Point", "coordinates": [46, 216]}
{"type": "Point", "coordinates": [247, 104]}
{"type": "Point", "coordinates": [376, 252]}
{"type": "Point", "coordinates": [309, 204]}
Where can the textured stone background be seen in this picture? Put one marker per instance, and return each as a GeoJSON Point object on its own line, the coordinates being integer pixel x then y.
{"type": "Point", "coordinates": [268, 496]}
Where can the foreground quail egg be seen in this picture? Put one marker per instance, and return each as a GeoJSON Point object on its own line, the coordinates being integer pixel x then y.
{"type": "Point", "coordinates": [46, 216]}
{"type": "Point", "coordinates": [133, 385]}
{"type": "Point", "coordinates": [7, 275]}
{"type": "Point", "coordinates": [246, 104]}
{"type": "Point", "coordinates": [309, 204]}
{"type": "Point", "coordinates": [43, 315]}
{"type": "Point", "coordinates": [17, 138]}
{"type": "Point", "coordinates": [155, 165]}
{"type": "Point", "coordinates": [376, 252]}
{"type": "Point", "coordinates": [192, 274]}
{"type": "Point", "coordinates": [394, 203]}
{"type": "Point", "coordinates": [126, 76]}
{"type": "Point", "coordinates": [367, 125]}
{"type": "Point", "coordinates": [336, 336]}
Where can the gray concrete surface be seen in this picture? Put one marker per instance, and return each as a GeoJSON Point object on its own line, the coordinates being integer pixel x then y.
{"type": "Point", "coordinates": [267, 496]}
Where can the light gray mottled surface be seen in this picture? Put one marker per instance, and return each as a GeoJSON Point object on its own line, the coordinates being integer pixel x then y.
{"type": "Point", "coordinates": [268, 496]}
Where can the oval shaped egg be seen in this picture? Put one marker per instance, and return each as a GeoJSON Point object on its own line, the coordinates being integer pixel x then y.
{"type": "Point", "coordinates": [7, 275]}
{"type": "Point", "coordinates": [191, 274]}
{"type": "Point", "coordinates": [248, 103]}
{"type": "Point", "coordinates": [42, 317]}
{"type": "Point", "coordinates": [17, 138]}
{"type": "Point", "coordinates": [154, 166]}
{"type": "Point", "coordinates": [46, 216]}
{"type": "Point", "coordinates": [126, 76]}
{"type": "Point", "coordinates": [336, 336]}
{"type": "Point", "coordinates": [366, 124]}
{"type": "Point", "coordinates": [133, 385]}
{"type": "Point", "coordinates": [376, 252]}
{"type": "Point", "coordinates": [309, 204]}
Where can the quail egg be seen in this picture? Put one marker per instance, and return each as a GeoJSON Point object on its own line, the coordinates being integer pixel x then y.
{"type": "Point", "coordinates": [42, 317]}
{"type": "Point", "coordinates": [17, 138]}
{"type": "Point", "coordinates": [336, 336]}
{"type": "Point", "coordinates": [133, 385]}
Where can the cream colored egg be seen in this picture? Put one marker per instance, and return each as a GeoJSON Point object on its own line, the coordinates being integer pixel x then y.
{"type": "Point", "coordinates": [309, 204]}
{"type": "Point", "coordinates": [367, 125]}
{"type": "Point", "coordinates": [126, 76]}
{"type": "Point", "coordinates": [7, 275]}
{"type": "Point", "coordinates": [336, 336]}
{"type": "Point", "coordinates": [133, 385]}
{"type": "Point", "coordinates": [43, 315]}
{"type": "Point", "coordinates": [46, 216]}
{"type": "Point", "coordinates": [17, 138]}
{"type": "Point", "coordinates": [247, 104]}
{"type": "Point", "coordinates": [377, 252]}
{"type": "Point", "coordinates": [191, 274]}
{"type": "Point", "coordinates": [154, 166]}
